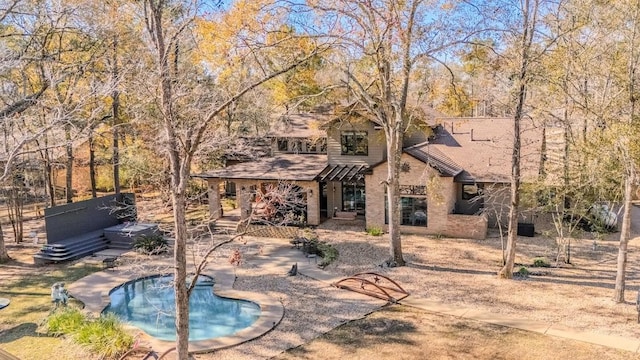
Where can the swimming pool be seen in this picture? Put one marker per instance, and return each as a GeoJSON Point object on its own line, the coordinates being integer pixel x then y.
{"type": "Point", "coordinates": [149, 304]}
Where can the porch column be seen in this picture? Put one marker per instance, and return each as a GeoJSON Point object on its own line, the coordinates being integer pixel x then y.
{"type": "Point", "coordinates": [214, 199]}
{"type": "Point", "coordinates": [313, 204]}
{"type": "Point", "coordinates": [244, 196]}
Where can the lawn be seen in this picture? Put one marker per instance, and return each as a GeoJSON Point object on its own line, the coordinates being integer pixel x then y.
{"type": "Point", "coordinates": [29, 290]}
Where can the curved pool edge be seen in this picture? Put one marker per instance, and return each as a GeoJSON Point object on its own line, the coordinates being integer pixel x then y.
{"type": "Point", "coordinates": [93, 291]}
{"type": "Point", "coordinates": [271, 313]}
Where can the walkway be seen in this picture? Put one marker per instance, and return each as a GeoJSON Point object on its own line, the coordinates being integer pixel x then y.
{"type": "Point", "coordinates": [279, 255]}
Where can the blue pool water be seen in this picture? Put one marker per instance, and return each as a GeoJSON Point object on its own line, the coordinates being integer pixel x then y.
{"type": "Point", "coordinates": [149, 304]}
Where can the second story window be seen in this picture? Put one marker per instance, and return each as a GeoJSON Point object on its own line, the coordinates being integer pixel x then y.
{"type": "Point", "coordinates": [318, 146]}
{"type": "Point", "coordinates": [283, 144]}
{"type": "Point", "coordinates": [355, 143]}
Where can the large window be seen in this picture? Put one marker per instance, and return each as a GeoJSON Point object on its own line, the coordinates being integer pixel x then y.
{"type": "Point", "coordinates": [470, 191]}
{"type": "Point", "coordinates": [353, 196]}
{"type": "Point", "coordinates": [413, 211]}
{"type": "Point", "coordinates": [355, 143]}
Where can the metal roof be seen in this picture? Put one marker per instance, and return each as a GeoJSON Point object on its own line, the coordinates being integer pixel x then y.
{"type": "Point", "coordinates": [435, 158]}
{"type": "Point", "coordinates": [343, 173]}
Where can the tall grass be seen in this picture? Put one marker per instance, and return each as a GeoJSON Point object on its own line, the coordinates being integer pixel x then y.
{"type": "Point", "coordinates": [104, 336]}
{"type": "Point", "coordinates": [66, 320]}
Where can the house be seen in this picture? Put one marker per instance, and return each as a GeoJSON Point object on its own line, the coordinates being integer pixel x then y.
{"type": "Point", "coordinates": [453, 182]}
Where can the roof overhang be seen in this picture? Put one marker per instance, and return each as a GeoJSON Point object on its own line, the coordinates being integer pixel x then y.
{"type": "Point", "coordinates": [291, 167]}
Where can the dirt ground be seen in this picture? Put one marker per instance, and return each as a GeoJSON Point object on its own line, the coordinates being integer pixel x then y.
{"type": "Point", "coordinates": [405, 333]}
{"type": "Point", "coordinates": [463, 272]}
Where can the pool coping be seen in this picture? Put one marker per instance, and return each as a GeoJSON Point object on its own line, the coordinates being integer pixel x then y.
{"type": "Point", "coordinates": [93, 290]}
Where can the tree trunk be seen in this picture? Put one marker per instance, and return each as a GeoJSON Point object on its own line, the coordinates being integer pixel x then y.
{"type": "Point", "coordinates": [48, 180]}
{"type": "Point", "coordinates": [542, 172]}
{"type": "Point", "coordinates": [92, 167]}
{"type": "Point", "coordinates": [69, 172]}
{"type": "Point", "coordinates": [179, 175]}
{"type": "Point", "coordinates": [528, 26]}
{"type": "Point", "coordinates": [512, 234]}
{"type": "Point", "coordinates": [394, 144]}
{"type": "Point", "coordinates": [48, 172]}
{"type": "Point", "coordinates": [625, 231]}
{"type": "Point", "coordinates": [115, 113]}
{"type": "Point", "coordinates": [14, 210]}
{"type": "Point", "coordinates": [4, 255]}
{"type": "Point", "coordinates": [180, 274]}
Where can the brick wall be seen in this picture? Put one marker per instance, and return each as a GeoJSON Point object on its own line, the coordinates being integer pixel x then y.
{"type": "Point", "coordinates": [441, 198]}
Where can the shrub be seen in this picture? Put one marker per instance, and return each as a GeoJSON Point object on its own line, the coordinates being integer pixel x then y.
{"type": "Point", "coordinates": [375, 231]}
{"type": "Point", "coordinates": [105, 336]}
{"type": "Point", "coordinates": [540, 262]}
{"type": "Point", "coordinates": [151, 244]}
{"type": "Point", "coordinates": [229, 203]}
{"type": "Point", "coordinates": [329, 254]}
{"type": "Point", "coordinates": [65, 320]}
{"type": "Point", "coordinates": [311, 246]}
{"type": "Point", "coordinates": [522, 272]}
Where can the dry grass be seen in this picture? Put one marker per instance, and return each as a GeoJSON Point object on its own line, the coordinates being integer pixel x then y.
{"type": "Point", "coordinates": [404, 333]}
{"type": "Point", "coordinates": [28, 288]}
{"type": "Point", "coordinates": [463, 272]}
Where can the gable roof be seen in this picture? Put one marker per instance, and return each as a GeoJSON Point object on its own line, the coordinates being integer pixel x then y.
{"type": "Point", "coordinates": [280, 167]}
{"type": "Point", "coordinates": [305, 125]}
{"type": "Point", "coordinates": [483, 147]}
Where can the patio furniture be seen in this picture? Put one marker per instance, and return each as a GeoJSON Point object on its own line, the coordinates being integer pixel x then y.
{"type": "Point", "coordinates": [298, 241]}
{"type": "Point", "coordinates": [109, 262]}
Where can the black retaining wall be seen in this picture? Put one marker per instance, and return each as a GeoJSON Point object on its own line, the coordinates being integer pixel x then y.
{"type": "Point", "coordinates": [70, 220]}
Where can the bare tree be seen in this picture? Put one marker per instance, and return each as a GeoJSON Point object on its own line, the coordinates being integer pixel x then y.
{"type": "Point", "coordinates": [169, 27]}
{"type": "Point", "coordinates": [528, 24]}
{"type": "Point", "coordinates": [383, 41]}
{"type": "Point", "coordinates": [45, 58]}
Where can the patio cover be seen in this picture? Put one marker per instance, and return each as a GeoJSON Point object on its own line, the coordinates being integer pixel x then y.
{"type": "Point", "coordinates": [343, 173]}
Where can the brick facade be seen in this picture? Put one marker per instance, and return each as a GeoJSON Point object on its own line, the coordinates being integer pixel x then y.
{"type": "Point", "coordinates": [441, 199]}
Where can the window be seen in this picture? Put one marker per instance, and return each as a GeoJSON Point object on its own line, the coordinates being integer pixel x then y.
{"type": "Point", "coordinates": [355, 143]}
{"type": "Point", "coordinates": [283, 144]}
{"type": "Point", "coordinates": [318, 146]}
{"type": "Point", "coordinates": [297, 147]}
{"type": "Point", "coordinates": [470, 191]}
{"type": "Point", "coordinates": [323, 146]}
{"type": "Point", "coordinates": [413, 211]}
{"type": "Point", "coordinates": [353, 196]}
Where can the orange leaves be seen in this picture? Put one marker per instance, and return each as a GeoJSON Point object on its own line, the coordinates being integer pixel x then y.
{"type": "Point", "coordinates": [226, 37]}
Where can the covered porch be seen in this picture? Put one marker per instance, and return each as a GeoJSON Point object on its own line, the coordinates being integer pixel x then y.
{"type": "Point", "coordinates": [292, 176]}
